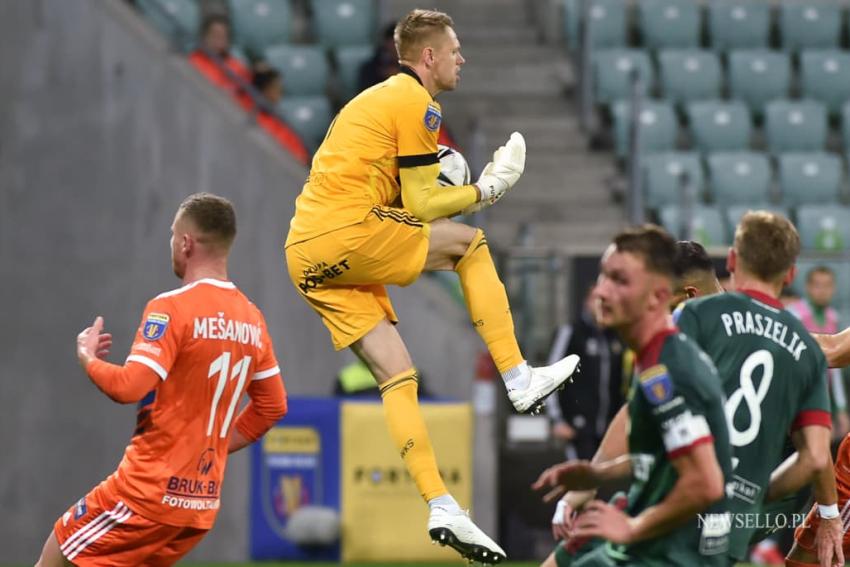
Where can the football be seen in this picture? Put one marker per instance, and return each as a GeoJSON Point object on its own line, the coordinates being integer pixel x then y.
{"type": "Point", "coordinates": [453, 167]}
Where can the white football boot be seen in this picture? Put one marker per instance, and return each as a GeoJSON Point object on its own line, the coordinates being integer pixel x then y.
{"type": "Point", "coordinates": [544, 381]}
{"type": "Point", "coordinates": [456, 529]}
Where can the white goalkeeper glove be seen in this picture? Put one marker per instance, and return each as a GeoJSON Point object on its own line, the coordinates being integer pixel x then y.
{"type": "Point", "coordinates": [500, 174]}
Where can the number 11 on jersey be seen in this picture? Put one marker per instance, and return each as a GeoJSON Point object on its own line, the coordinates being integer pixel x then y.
{"type": "Point", "coordinates": [221, 366]}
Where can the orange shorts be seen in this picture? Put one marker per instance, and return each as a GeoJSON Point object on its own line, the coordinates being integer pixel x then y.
{"type": "Point", "coordinates": [101, 531]}
{"type": "Point", "coordinates": [805, 535]}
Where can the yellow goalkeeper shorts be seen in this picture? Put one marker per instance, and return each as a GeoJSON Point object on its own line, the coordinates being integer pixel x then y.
{"type": "Point", "coordinates": [341, 274]}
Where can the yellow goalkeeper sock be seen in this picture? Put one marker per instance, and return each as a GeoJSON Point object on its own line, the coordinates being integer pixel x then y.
{"type": "Point", "coordinates": [487, 303]}
{"type": "Point", "coordinates": [407, 428]}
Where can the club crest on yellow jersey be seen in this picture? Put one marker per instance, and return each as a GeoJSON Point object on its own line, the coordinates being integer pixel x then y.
{"type": "Point", "coordinates": [433, 118]}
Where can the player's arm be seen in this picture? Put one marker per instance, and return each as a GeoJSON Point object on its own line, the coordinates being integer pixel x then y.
{"type": "Point", "coordinates": [123, 384]}
{"type": "Point", "coordinates": [423, 197]}
{"type": "Point", "coordinates": [266, 407]}
{"type": "Point", "coordinates": [836, 348]}
{"type": "Point", "coordinates": [699, 484]}
{"type": "Point", "coordinates": [810, 464]}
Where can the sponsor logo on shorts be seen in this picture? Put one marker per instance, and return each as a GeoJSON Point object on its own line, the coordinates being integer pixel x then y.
{"type": "Point", "coordinates": [80, 508]}
{"type": "Point", "coordinates": [315, 275]}
{"type": "Point", "coordinates": [155, 326]}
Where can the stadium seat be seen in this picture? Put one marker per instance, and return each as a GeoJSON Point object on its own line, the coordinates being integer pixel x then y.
{"type": "Point", "coordinates": [806, 24]}
{"type": "Point", "coordinates": [809, 177]}
{"type": "Point", "coordinates": [669, 23]}
{"type": "Point", "coordinates": [344, 22]}
{"type": "Point", "coordinates": [307, 115]}
{"type": "Point", "coordinates": [759, 76]}
{"type": "Point", "coordinates": [735, 213]}
{"type": "Point", "coordinates": [662, 177]}
{"type": "Point", "coordinates": [258, 24]}
{"type": "Point", "coordinates": [612, 73]}
{"type": "Point", "coordinates": [739, 177]}
{"type": "Point", "coordinates": [689, 74]}
{"type": "Point", "coordinates": [707, 226]}
{"type": "Point", "coordinates": [845, 126]}
{"type": "Point", "coordinates": [718, 125]}
{"type": "Point", "coordinates": [795, 126]}
{"type": "Point", "coordinates": [824, 227]}
{"type": "Point", "coordinates": [607, 24]}
{"type": "Point", "coordinates": [825, 76]}
{"type": "Point", "coordinates": [658, 128]}
{"type": "Point", "coordinates": [304, 68]}
{"type": "Point", "coordinates": [737, 24]}
{"type": "Point", "coordinates": [178, 20]}
{"type": "Point", "coordinates": [349, 59]}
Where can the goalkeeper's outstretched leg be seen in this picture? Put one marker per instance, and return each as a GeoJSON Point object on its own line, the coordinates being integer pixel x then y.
{"type": "Point", "coordinates": [464, 249]}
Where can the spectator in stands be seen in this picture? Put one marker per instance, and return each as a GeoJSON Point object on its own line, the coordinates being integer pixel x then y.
{"type": "Point", "coordinates": [581, 414]}
{"type": "Point", "coordinates": [268, 84]}
{"type": "Point", "coordinates": [383, 64]}
{"type": "Point", "coordinates": [817, 315]}
{"type": "Point", "coordinates": [213, 60]}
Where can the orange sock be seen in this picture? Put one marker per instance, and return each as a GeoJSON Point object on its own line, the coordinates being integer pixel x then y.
{"type": "Point", "coordinates": [407, 428]}
{"type": "Point", "coordinates": [487, 303]}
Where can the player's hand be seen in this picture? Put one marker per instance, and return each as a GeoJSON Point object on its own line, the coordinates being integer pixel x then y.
{"type": "Point", "coordinates": [503, 172]}
{"type": "Point", "coordinates": [563, 431]}
{"type": "Point", "coordinates": [602, 520]}
{"type": "Point", "coordinates": [572, 475]}
{"type": "Point", "coordinates": [93, 343]}
{"type": "Point", "coordinates": [828, 541]}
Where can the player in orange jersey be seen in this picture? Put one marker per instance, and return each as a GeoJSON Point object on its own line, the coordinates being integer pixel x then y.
{"type": "Point", "coordinates": [198, 348]}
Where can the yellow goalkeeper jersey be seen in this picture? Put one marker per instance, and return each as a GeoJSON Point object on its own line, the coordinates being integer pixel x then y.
{"type": "Point", "coordinates": [390, 125]}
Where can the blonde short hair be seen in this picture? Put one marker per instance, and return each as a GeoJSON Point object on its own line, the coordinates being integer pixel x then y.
{"type": "Point", "coordinates": [767, 244]}
{"type": "Point", "coordinates": [415, 29]}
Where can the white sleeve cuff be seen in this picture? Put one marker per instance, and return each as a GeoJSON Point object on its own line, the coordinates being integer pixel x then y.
{"type": "Point", "coordinates": [152, 364]}
{"type": "Point", "coordinates": [263, 374]}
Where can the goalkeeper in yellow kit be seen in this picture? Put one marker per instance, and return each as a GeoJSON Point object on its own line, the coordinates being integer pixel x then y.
{"type": "Point", "coordinates": [347, 240]}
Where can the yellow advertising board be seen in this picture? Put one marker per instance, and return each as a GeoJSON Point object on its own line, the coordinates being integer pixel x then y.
{"type": "Point", "coordinates": [383, 516]}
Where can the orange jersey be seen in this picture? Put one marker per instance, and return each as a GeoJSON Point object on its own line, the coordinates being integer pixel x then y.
{"type": "Point", "coordinates": [206, 341]}
{"type": "Point", "coordinates": [356, 167]}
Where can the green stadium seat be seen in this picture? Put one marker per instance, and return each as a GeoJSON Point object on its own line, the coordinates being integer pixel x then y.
{"type": "Point", "coordinates": [810, 24]}
{"type": "Point", "coordinates": [809, 177]}
{"type": "Point", "coordinates": [825, 76]}
{"type": "Point", "coordinates": [612, 73]}
{"type": "Point", "coordinates": [662, 173]}
{"type": "Point", "coordinates": [824, 228]}
{"type": "Point", "coordinates": [309, 116]}
{"type": "Point", "coordinates": [759, 76]}
{"type": "Point", "coordinates": [258, 24]}
{"type": "Point", "coordinates": [178, 20]}
{"type": "Point", "coordinates": [607, 25]}
{"type": "Point", "coordinates": [845, 126]}
{"type": "Point", "coordinates": [707, 225]}
{"type": "Point", "coordinates": [689, 74]}
{"type": "Point", "coordinates": [304, 67]}
{"type": "Point", "coordinates": [669, 23]}
{"type": "Point", "coordinates": [735, 213]}
{"type": "Point", "coordinates": [658, 128]}
{"type": "Point", "coordinates": [349, 59]}
{"type": "Point", "coordinates": [344, 22]}
{"type": "Point", "coordinates": [718, 125]}
{"type": "Point", "coordinates": [739, 177]}
{"type": "Point", "coordinates": [737, 24]}
{"type": "Point", "coordinates": [795, 126]}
